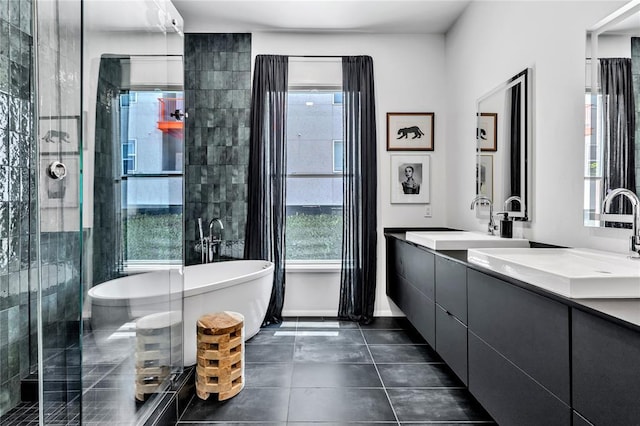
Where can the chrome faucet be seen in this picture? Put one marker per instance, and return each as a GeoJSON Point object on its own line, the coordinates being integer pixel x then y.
{"type": "Point", "coordinates": [513, 198]}
{"type": "Point", "coordinates": [482, 199]}
{"type": "Point", "coordinates": [634, 240]}
{"type": "Point", "coordinates": [214, 243]}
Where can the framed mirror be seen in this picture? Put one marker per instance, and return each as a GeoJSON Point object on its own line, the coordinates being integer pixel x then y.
{"type": "Point", "coordinates": [503, 150]}
{"type": "Point", "coordinates": [611, 139]}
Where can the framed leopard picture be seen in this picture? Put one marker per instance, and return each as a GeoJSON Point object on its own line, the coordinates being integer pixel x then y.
{"type": "Point", "coordinates": [410, 131]}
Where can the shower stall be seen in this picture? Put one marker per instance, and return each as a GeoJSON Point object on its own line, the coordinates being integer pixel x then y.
{"type": "Point", "coordinates": [90, 191]}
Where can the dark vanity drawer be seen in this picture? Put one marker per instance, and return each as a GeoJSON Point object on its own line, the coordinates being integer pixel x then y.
{"type": "Point", "coordinates": [606, 370]}
{"type": "Point", "coordinates": [451, 287]}
{"type": "Point", "coordinates": [451, 342]}
{"type": "Point", "coordinates": [529, 330]}
{"type": "Point", "coordinates": [508, 394]}
{"type": "Point", "coordinates": [417, 266]}
{"type": "Point", "coordinates": [578, 420]}
{"type": "Point", "coordinates": [419, 309]}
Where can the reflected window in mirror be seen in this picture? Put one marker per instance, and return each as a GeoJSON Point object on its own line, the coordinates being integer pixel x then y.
{"type": "Point", "coordinates": [612, 142]}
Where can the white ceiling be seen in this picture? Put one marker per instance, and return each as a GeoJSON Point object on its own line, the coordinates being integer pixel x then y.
{"type": "Point", "coordinates": [377, 16]}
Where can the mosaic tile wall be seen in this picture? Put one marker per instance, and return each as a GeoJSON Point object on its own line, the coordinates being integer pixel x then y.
{"type": "Point", "coordinates": [106, 259]}
{"type": "Point", "coordinates": [17, 212]}
{"type": "Point", "coordinates": [217, 99]}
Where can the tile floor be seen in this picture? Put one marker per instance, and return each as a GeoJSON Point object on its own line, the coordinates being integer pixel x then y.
{"type": "Point", "coordinates": [326, 372]}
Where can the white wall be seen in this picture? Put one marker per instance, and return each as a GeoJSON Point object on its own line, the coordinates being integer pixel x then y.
{"type": "Point", "coordinates": [409, 77]}
{"type": "Point", "coordinates": [491, 42]}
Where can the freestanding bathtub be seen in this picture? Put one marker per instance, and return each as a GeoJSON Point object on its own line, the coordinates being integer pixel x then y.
{"type": "Point", "coordinates": [242, 286]}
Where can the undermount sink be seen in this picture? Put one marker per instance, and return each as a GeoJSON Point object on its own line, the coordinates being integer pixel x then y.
{"type": "Point", "coordinates": [571, 272]}
{"type": "Point", "coordinates": [461, 240]}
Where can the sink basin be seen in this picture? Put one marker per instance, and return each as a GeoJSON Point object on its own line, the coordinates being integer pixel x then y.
{"type": "Point", "coordinates": [573, 272]}
{"type": "Point", "coordinates": [461, 240]}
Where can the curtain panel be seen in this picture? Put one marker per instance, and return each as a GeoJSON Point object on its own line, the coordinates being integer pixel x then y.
{"type": "Point", "coordinates": [264, 237]}
{"type": "Point", "coordinates": [359, 239]}
{"type": "Point", "coordinates": [618, 130]}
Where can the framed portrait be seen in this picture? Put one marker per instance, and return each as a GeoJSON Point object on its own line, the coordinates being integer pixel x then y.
{"type": "Point", "coordinates": [410, 179]}
{"type": "Point", "coordinates": [55, 193]}
{"type": "Point", "coordinates": [410, 131]}
{"type": "Point", "coordinates": [484, 176]}
{"type": "Point", "coordinates": [59, 135]}
{"type": "Point", "coordinates": [487, 131]}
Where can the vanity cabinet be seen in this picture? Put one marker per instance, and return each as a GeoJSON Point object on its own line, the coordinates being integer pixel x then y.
{"type": "Point", "coordinates": [410, 284]}
{"type": "Point", "coordinates": [451, 314]}
{"type": "Point", "coordinates": [606, 370]}
{"type": "Point", "coordinates": [518, 353]}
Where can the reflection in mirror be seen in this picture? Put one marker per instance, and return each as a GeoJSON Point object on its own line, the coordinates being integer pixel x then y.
{"type": "Point", "coordinates": [611, 141]}
{"type": "Point", "coordinates": [504, 140]}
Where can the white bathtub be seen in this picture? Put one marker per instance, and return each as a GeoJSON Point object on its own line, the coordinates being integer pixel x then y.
{"type": "Point", "coordinates": [242, 286]}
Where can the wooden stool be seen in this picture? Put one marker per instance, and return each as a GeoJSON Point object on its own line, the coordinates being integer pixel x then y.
{"type": "Point", "coordinates": [157, 343]}
{"type": "Point", "coordinates": [220, 357]}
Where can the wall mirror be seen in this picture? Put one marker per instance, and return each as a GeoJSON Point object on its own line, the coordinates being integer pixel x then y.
{"type": "Point", "coordinates": [503, 150]}
{"type": "Point", "coordinates": [611, 139]}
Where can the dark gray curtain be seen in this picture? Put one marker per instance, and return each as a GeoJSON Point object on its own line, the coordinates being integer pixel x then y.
{"type": "Point", "coordinates": [358, 276]}
{"type": "Point", "coordinates": [264, 236]}
{"type": "Point", "coordinates": [618, 130]}
{"type": "Point", "coordinates": [515, 135]}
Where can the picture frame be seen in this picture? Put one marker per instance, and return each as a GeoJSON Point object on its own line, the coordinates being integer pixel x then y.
{"type": "Point", "coordinates": [410, 131]}
{"type": "Point", "coordinates": [65, 192]}
{"type": "Point", "coordinates": [410, 183]}
{"type": "Point", "coordinates": [59, 135]}
{"type": "Point", "coordinates": [484, 176]}
{"type": "Point", "coordinates": [487, 132]}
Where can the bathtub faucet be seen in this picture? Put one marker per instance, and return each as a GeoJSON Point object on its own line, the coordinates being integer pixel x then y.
{"type": "Point", "coordinates": [213, 252]}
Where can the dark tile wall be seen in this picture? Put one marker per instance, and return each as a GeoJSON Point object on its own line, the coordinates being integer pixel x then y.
{"type": "Point", "coordinates": [106, 256]}
{"type": "Point", "coordinates": [217, 99]}
{"type": "Point", "coordinates": [17, 200]}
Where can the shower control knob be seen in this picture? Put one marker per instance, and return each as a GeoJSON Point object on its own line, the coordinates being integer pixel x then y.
{"type": "Point", "coordinates": [57, 170]}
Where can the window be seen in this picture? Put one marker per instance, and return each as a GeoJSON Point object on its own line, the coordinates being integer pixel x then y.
{"type": "Point", "coordinates": [313, 229]}
{"type": "Point", "coordinates": [338, 157]}
{"type": "Point", "coordinates": [129, 156]}
{"type": "Point", "coordinates": [151, 190]}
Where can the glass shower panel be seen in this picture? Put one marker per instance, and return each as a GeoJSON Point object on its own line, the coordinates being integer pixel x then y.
{"type": "Point", "coordinates": [57, 32]}
{"type": "Point", "coordinates": [132, 211]}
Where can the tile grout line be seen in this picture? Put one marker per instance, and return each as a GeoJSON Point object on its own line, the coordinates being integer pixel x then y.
{"type": "Point", "coordinates": [384, 387]}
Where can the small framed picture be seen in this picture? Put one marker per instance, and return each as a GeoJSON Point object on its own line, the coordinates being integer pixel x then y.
{"type": "Point", "coordinates": [487, 131]}
{"type": "Point", "coordinates": [410, 179]}
{"type": "Point", "coordinates": [410, 131]}
{"type": "Point", "coordinates": [59, 135]}
{"type": "Point", "coordinates": [484, 176]}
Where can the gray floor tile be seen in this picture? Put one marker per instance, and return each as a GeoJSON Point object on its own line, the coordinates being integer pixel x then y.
{"type": "Point", "coordinates": [250, 405]}
{"type": "Point", "coordinates": [273, 374]}
{"type": "Point", "coordinates": [273, 336]}
{"type": "Point", "coordinates": [339, 405]}
{"type": "Point", "coordinates": [312, 323]}
{"type": "Point", "coordinates": [450, 405]}
{"type": "Point", "coordinates": [322, 353]}
{"type": "Point", "coordinates": [403, 353]}
{"type": "Point", "coordinates": [418, 375]}
{"type": "Point", "coordinates": [316, 375]}
{"type": "Point", "coordinates": [329, 337]}
{"type": "Point", "coordinates": [268, 353]}
{"type": "Point", "coordinates": [392, 337]}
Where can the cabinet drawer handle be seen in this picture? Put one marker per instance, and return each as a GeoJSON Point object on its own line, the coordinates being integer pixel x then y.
{"type": "Point", "coordinates": [448, 313]}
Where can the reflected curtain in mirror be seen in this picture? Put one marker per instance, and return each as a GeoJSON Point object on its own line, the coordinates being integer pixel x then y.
{"type": "Point", "coordinates": [618, 129]}
{"type": "Point", "coordinates": [267, 173]}
{"type": "Point", "coordinates": [515, 137]}
{"type": "Point", "coordinates": [358, 276]}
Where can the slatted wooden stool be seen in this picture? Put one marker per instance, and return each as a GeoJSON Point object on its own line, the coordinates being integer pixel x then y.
{"type": "Point", "coordinates": [157, 343]}
{"type": "Point", "coordinates": [220, 367]}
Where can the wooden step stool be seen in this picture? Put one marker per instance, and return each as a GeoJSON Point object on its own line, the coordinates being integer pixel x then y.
{"type": "Point", "coordinates": [220, 357]}
{"type": "Point", "coordinates": [158, 345]}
